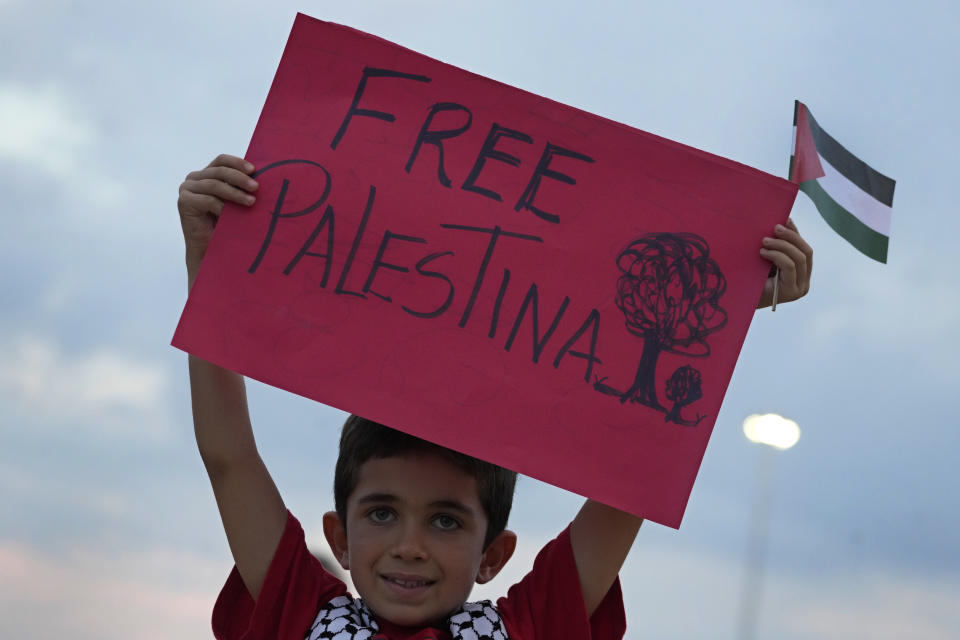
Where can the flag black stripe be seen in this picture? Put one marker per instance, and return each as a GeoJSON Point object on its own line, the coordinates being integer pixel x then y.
{"type": "Point", "coordinates": [856, 170]}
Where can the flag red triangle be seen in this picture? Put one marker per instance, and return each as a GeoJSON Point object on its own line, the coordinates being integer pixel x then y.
{"type": "Point", "coordinates": [806, 162]}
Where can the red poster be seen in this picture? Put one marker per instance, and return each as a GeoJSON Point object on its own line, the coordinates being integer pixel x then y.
{"type": "Point", "coordinates": [487, 269]}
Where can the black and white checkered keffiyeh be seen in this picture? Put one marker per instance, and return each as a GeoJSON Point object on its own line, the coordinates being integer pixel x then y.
{"type": "Point", "coordinates": [346, 618]}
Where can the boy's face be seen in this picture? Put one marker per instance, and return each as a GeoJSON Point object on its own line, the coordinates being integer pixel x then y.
{"type": "Point", "coordinates": [414, 538]}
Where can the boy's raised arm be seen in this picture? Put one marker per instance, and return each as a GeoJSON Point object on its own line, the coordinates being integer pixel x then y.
{"type": "Point", "coordinates": [251, 509]}
{"type": "Point", "coordinates": [601, 537]}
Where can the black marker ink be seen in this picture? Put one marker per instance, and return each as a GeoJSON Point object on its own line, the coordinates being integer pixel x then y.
{"type": "Point", "coordinates": [433, 274]}
{"type": "Point", "coordinates": [437, 136]}
{"type": "Point", "coordinates": [378, 262]}
{"type": "Point", "coordinates": [538, 343]}
{"type": "Point", "coordinates": [593, 320]}
{"type": "Point", "coordinates": [489, 150]}
{"type": "Point", "coordinates": [325, 221]}
{"type": "Point", "coordinates": [370, 72]}
{"type": "Point", "coordinates": [544, 171]}
{"type": "Point", "coordinates": [356, 245]}
{"type": "Point", "coordinates": [495, 234]}
{"type": "Point", "coordinates": [495, 318]}
{"type": "Point", "coordinates": [679, 323]}
{"type": "Point", "coordinates": [276, 214]}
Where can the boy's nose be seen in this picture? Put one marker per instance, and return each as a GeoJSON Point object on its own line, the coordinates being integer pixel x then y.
{"type": "Point", "coordinates": [409, 545]}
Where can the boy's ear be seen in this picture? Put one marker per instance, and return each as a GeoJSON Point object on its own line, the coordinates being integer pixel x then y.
{"type": "Point", "coordinates": [496, 555]}
{"type": "Point", "coordinates": [336, 535]}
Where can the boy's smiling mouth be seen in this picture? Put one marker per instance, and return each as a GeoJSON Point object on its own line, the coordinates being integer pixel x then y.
{"type": "Point", "coordinates": [410, 584]}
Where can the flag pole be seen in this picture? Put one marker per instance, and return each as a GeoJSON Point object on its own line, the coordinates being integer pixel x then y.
{"type": "Point", "coordinates": [776, 271]}
{"type": "Point", "coordinates": [776, 289]}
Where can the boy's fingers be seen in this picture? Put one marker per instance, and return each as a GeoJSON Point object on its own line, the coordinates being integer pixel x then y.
{"type": "Point", "coordinates": [226, 174]}
{"type": "Point", "coordinates": [227, 160]}
{"type": "Point", "coordinates": [790, 249]}
{"type": "Point", "coordinates": [218, 188]}
{"type": "Point", "coordinates": [794, 237]}
{"type": "Point", "coordinates": [788, 273]}
{"type": "Point", "coordinates": [789, 235]}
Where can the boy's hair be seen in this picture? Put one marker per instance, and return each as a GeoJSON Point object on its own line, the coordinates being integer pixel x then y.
{"type": "Point", "coordinates": [362, 439]}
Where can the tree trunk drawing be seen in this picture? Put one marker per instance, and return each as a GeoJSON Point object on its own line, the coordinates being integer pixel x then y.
{"type": "Point", "coordinates": [644, 387]}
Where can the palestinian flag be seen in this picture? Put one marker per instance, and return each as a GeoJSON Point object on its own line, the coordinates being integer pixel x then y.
{"type": "Point", "coordinates": [853, 198]}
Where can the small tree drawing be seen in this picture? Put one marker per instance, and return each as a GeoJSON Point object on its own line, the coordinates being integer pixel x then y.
{"type": "Point", "coordinates": [683, 387]}
{"type": "Point", "coordinates": [669, 291]}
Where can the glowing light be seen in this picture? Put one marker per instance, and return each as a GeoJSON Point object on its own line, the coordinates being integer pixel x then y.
{"type": "Point", "coordinates": [771, 429]}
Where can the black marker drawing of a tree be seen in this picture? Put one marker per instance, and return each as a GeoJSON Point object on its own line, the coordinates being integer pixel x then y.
{"type": "Point", "coordinates": [683, 387]}
{"type": "Point", "coordinates": [669, 291]}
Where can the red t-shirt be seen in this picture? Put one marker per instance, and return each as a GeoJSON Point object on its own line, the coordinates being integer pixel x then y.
{"type": "Point", "coordinates": [546, 605]}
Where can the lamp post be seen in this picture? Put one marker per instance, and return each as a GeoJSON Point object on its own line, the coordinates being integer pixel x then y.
{"type": "Point", "coordinates": [775, 433]}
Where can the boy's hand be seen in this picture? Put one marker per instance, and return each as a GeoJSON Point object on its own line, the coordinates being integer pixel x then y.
{"type": "Point", "coordinates": [790, 252]}
{"type": "Point", "coordinates": [202, 195]}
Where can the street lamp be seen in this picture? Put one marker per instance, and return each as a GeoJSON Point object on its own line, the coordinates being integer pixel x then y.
{"type": "Point", "coordinates": [771, 429]}
{"type": "Point", "coordinates": [777, 433]}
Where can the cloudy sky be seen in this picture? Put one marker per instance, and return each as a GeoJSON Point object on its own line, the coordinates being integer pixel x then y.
{"type": "Point", "coordinates": [107, 525]}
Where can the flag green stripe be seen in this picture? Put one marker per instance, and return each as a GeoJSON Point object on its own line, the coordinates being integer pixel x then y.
{"type": "Point", "coordinates": [871, 243]}
{"type": "Point", "coordinates": [856, 170]}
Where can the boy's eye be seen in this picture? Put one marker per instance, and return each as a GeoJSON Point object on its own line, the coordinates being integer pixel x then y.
{"type": "Point", "coordinates": [445, 522]}
{"type": "Point", "coordinates": [380, 516]}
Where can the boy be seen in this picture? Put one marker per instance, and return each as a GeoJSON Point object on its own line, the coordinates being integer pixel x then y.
{"type": "Point", "coordinates": [415, 524]}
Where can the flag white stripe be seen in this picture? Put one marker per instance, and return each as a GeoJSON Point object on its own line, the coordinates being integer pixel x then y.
{"type": "Point", "coordinates": [793, 142]}
{"type": "Point", "coordinates": [858, 202]}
